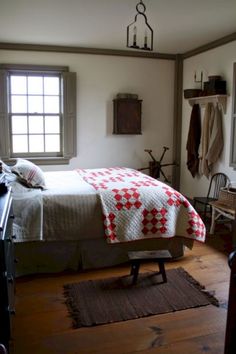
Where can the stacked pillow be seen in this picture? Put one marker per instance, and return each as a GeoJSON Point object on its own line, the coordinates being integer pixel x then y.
{"type": "Point", "coordinates": [5, 168]}
{"type": "Point", "coordinates": [29, 174]}
{"type": "Point", "coordinates": [26, 172]}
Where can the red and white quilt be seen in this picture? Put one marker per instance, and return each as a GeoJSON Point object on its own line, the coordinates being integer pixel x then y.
{"type": "Point", "coordinates": [136, 206]}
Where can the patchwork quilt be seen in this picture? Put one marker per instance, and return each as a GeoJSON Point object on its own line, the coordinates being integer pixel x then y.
{"type": "Point", "coordinates": [136, 206]}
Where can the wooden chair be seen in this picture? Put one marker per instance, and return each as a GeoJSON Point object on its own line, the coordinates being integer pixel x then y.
{"type": "Point", "coordinates": [218, 180]}
{"type": "Point", "coordinates": [221, 210]}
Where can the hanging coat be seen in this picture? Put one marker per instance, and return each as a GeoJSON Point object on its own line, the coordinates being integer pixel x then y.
{"type": "Point", "coordinates": [216, 141]}
{"type": "Point", "coordinates": [211, 139]}
{"type": "Point", "coordinates": [193, 141]}
{"type": "Point", "coordinates": [205, 139]}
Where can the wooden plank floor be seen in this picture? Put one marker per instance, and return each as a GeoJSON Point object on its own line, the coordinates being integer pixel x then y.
{"type": "Point", "coordinates": [42, 326]}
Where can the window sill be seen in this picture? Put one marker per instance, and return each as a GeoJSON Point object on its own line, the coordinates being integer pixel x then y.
{"type": "Point", "coordinates": [42, 160]}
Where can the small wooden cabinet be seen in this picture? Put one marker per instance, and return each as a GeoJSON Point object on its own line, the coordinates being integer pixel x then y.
{"type": "Point", "coordinates": [127, 116]}
{"type": "Point", "coordinates": [6, 268]}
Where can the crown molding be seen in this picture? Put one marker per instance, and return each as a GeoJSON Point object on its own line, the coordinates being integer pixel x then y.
{"type": "Point", "coordinates": [84, 50]}
{"type": "Point", "coordinates": [204, 48]}
{"type": "Point", "coordinates": [115, 52]}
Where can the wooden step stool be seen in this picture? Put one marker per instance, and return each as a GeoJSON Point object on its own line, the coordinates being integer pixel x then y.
{"type": "Point", "coordinates": [143, 256]}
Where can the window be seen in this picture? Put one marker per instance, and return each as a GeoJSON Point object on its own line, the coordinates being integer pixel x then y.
{"type": "Point", "coordinates": [233, 123]}
{"type": "Point", "coordinates": [37, 113]}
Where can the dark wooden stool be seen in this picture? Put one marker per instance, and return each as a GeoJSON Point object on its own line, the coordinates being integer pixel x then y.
{"type": "Point", "coordinates": [142, 256]}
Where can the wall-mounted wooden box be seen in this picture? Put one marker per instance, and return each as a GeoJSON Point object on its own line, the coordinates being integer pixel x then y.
{"type": "Point", "coordinates": [127, 116]}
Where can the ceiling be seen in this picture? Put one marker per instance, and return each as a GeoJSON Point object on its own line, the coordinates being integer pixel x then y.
{"type": "Point", "coordinates": [178, 25]}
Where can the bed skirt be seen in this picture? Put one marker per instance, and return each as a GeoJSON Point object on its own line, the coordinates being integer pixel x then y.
{"type": "Point", "coordinates": [57, 256]}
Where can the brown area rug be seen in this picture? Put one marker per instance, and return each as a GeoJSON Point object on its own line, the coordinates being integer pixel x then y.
{"type": "Point", "coordinates": [96, 302]}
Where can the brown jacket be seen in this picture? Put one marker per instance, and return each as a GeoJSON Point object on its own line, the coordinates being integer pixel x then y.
{"type": "Point", "coordinates": [193, 141]}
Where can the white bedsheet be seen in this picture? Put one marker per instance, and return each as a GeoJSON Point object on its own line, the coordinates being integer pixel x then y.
{"type": "Point", "coordinates": [28, 213]}
{"type": "Point", "coordinates": [61, 212]}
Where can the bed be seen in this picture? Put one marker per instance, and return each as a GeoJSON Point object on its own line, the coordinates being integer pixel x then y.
{"type": "Point", "coordinates": [91, 218]}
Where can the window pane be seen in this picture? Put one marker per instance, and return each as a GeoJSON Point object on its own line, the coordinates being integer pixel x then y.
{"type": "Point", "coordinates": [19, 143]}
{"type": "Point", "coordinates": [19, 124]}
{"type": "Point", "coordinates": [51, 85]}
{"type": "Point", "coordinates": [18, 84]}
{"type": "Point", "coordinates": [36, 143]}
{"type": "Point", "coordinates": [35, 104]}
{"type": "Point", "coordinates": [52, 124]}
{"type": "Point", "coordinates": [51, 104]}
{"type": "Point", "coordinates": [35, 85]}
{"type": "Point", "coordinates": [35, 124]}
{"type": "Point", "coordinates": [52, 143]}
{"type": "Point", "coordinates": [37, 119]}
{"type": "Point", "coordinates": [18, 104]}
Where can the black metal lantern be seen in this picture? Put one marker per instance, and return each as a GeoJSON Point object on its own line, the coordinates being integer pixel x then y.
{"type": "Point", "coordinates": [139, 32]}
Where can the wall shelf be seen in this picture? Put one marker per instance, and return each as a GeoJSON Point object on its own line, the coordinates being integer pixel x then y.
{"type": "Point", "coordinates": [203, 100]}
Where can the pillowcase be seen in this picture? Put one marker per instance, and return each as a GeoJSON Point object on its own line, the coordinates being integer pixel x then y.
{"type": "Point", "coordinates": [5, 168]}
{"type": "Point", "coordinates": [28, 173]}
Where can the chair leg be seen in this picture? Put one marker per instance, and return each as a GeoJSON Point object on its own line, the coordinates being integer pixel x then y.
{"type": "Point", "coordinates": [205, 210]}
{"type": "Point", "coordinates": [213, 214]}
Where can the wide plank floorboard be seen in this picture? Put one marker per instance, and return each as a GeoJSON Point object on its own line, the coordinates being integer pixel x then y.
{"type": "Point", "coordinates": [42, 325]}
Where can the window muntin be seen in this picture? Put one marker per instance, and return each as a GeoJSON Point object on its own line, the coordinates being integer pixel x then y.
{"type": "Point", "coordinates": [35, 115]}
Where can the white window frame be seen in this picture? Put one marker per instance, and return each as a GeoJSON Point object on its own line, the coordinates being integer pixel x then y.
{"type": "Point", "coordinates": [68, 114]}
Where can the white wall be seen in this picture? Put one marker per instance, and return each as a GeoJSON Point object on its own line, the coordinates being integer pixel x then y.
{"type": "Point", "coordinates": [99, 79]}
{"type": "Point", "coordinates": [218, 61]}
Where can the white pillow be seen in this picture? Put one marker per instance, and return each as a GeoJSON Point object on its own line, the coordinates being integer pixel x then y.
{"type": "Point", "coordinates": [5, 168]}
{"type": "Point", "coordinates": [29, 173]}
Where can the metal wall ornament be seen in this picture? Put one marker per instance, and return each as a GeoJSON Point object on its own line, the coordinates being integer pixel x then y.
{"type": "Point", "coordinates": [139, 32]}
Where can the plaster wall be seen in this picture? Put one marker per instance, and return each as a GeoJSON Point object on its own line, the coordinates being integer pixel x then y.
{"type": "Point", "coordinates": [99, 79]}
{"type": "Point", "coordinates": [218, 61]}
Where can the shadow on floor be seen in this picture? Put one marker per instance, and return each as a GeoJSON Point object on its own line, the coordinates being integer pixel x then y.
{"type": "Point", "coordinates": [222, 240]}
